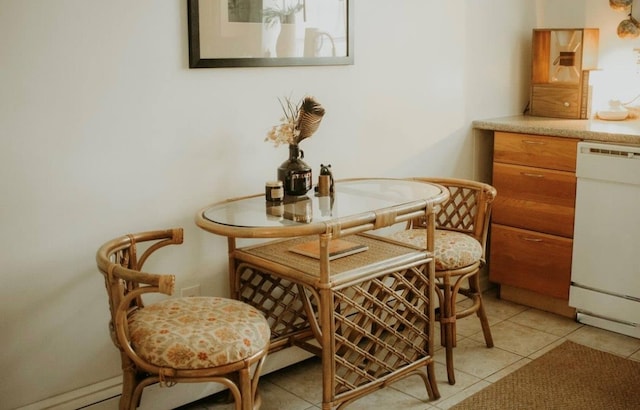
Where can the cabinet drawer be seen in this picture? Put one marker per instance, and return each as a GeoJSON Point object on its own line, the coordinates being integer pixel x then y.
{"type": "Point", "coordinates": [539, 199]}
{"type": "Point", "coordinates": [536, 151]}
{"type": "Point", "coordinates": [555, 102]}
{"type": "Point", "coordinates": [530, 260]}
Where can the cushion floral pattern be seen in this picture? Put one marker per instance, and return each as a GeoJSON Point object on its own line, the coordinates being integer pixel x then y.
{"type": "Point", "coordinates": [453, 250]}
{"type": "Point", "coordinates": [198, 332]}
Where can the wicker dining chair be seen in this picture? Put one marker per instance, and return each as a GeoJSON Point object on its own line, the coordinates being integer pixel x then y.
{"type": "Point", "coordinates": [175, 340]}
{"type": "Point", "coordinates": [460, 244]}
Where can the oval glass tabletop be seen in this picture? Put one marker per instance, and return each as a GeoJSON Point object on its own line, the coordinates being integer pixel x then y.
{"type": "Point", "coordinates": [351, 198]}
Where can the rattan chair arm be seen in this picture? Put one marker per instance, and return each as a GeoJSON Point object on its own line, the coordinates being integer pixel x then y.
{"type": "Point", "coordinates": [173, 236]}
{"type": "Point", "coordinates": [122, 325]}
{"type": "Point", "coordinates": [176, 238]}
{"type": "Point", "coordinates": [490, 192]}
{"type": "Point", "coordinates": [162, 283]}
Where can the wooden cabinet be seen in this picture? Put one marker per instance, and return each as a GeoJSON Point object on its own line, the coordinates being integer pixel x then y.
{"type": "Point", "coordinates": [532, 222]}
{"type": "Point", "coordinates": [561, 61]}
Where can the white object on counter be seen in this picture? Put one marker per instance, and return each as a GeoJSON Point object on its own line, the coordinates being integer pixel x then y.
{"type": "Point", "coordinates": [615, 112]}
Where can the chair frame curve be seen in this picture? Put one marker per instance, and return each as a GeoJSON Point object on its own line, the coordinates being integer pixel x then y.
{"type": "Point", "coordinates": [121, 260]}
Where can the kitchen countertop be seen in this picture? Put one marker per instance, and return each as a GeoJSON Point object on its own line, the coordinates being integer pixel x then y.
{"type": "Point", "coordinates": [619, 132]}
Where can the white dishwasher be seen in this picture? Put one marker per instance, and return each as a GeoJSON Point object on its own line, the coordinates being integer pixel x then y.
{"type": "Point", "coordinates": [605, 270]}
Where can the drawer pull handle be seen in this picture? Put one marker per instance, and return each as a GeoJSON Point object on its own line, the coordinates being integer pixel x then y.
{"type": "Point", "coordinates": [529, 239]}
{"type": "Point", "coordinates": [529, 174]}
{"type": "Point", "coordinates": [530, 142]}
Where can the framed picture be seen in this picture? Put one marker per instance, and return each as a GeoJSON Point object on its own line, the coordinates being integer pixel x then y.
{"type": "Point", "coordinates": [261, 33]}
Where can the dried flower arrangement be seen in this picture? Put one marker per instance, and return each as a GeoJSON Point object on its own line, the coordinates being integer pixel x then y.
{"type": "Point", "coordinates": [300, 121]}
{"type": "Point", "coordinates": [284, 14]}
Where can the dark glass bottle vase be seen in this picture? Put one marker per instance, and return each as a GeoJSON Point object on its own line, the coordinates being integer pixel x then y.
{"type": "Point", "coordinates": [294, 173]}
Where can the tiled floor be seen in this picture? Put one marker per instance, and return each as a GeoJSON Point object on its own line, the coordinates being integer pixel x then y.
{"type": "Point", "coordinates": [520, 335]}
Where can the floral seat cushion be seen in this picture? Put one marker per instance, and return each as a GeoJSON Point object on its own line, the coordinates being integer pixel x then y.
{"type": "Point", "coordinates": [198, 332]}
{"type": "Point", "coordinates": [453, 250]}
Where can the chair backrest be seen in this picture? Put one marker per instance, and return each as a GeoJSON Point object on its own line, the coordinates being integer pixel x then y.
{"type": "Point", "coordinates": [467, 210]}
{"type": "Point", "coordinates": [121, 260]}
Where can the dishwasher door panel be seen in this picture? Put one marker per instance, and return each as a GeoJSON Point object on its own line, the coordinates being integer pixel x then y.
{"type": "Point", "coordinates": [605, 274]}
{"type": "Point", "coordinates": [608, 306]}
{"type": "Point", "coordinates": [606, 244]}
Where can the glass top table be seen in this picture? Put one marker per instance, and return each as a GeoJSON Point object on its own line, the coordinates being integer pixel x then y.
{"type": "Point", "coordinates": [355, 203]}
{"type": "Point", "coordinates": [368, 315]}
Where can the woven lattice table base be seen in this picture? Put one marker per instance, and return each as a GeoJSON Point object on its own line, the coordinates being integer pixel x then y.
{"type": "Point", "coordinates": [381, 321]}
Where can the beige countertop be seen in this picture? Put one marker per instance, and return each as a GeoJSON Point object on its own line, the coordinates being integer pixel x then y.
{"type": "Point", "coordinates": [619, 132]}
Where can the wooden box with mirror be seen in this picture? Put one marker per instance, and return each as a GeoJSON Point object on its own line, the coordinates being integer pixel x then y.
{"type": "Point", "coordinates": [561, 61]}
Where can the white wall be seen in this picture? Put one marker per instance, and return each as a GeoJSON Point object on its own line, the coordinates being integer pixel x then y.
{"type": "Point", "coordinates": [104, 130]}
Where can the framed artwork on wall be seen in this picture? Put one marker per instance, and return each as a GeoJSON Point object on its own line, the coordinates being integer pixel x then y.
{"type": "Point", "coordinates": [264, 33]}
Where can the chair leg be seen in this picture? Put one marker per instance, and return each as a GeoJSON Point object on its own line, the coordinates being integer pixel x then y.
{"type": "Point", "coordinates": [474, 285]}
{"type": "Point", "coordinates": [127, 394]}
{"type": "Point", "coordinates": [447, 320]}
{"type": "Point", "coordinates": [246, 392]}
{"type": "Point", "coordinates": [448, 316]}
{"type": "Point", "coordinates": [129, 383]}
{"type": "Point", "coordinates": [432, 384]}
{"type": "Point", "coordinates": [453, 315]}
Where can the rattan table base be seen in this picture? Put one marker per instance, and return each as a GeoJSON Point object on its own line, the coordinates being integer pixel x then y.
{"type": "Point", "coordinates": [373, 321]}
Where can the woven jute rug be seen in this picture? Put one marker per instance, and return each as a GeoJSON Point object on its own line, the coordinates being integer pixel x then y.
{"type": "Point", "coordinates": [571, 376]}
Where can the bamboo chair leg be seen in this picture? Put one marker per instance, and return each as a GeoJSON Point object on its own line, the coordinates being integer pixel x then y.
{"type": "Point", "coordinates": [432, 384]}
{"type": "Point", "coordinates": [453, 293]}
{"type": "Point", "coordinates": [135, 398]}
{"type": "Point", "coordinates": [129, 382]}
{"type": "Point", "coordinates": [443, 330]}
{"type": "Point", "coordinates": [440, 312]}
{"type": "Point", "coordinates": [474, 285]}
{"type": "Point", "coordinates": [245, 390]}
{"type": "Point", "coordinates": [448, 319]}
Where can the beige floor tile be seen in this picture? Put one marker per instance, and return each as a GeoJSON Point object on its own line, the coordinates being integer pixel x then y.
{"type": "Point", "coordinates": [389, 398]}
{"type": "Point", "coordinates": [273, 398]}
{"type": "Point", "coordinates": [303, 379]}
{"type": "Point", "coordinates": [518, 339]}
{"type": "Point", "coordinates": [457, 398]}
{"type": "Point", "coordinates": [277, 398]}
{"type": "Point", "coordinates": [475, 358]}
{"type": "Point", "coordinates": [547, 322]}
{"type": "Point", "coordinates": [508, 370]}
{"type": "Point", "coordinates": [547, 348]}
{"type": "Point", "coordinates": [470, 325]}
{"type": "Point", "coordinates": [604, 340]}
{"type": "Point", "coordinates": [498, 309]}
{"type": "Point", "coordinates": [415, 387]}
{"type": "Point", "coordinates": [635, 356]}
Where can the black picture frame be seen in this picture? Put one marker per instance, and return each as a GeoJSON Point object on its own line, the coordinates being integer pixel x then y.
{"type": "Point", "coordinates": [199, 59]}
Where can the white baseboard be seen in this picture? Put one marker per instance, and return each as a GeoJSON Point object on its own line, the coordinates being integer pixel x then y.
{"type": "Point", "coordinates": [105, 395]}
{"type": "Point", "coordinates": [82, 397]}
